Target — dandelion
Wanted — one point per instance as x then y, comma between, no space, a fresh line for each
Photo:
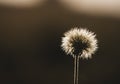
80,43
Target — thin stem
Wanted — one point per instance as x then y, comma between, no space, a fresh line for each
75,59
76,69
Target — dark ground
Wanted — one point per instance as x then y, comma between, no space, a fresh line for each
30,50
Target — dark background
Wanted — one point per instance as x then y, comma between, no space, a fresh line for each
30,51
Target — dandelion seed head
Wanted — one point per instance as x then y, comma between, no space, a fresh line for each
79,42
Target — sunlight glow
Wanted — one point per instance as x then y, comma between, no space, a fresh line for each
20,3
95,7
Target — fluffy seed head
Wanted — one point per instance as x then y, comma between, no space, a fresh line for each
79,42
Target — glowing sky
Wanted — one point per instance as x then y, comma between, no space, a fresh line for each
97,7
20,3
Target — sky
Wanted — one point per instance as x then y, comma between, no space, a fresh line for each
21,3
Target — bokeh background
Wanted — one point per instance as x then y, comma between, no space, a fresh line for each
30,39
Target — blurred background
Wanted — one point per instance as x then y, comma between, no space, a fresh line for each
30,39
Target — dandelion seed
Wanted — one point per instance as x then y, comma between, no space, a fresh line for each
80,43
